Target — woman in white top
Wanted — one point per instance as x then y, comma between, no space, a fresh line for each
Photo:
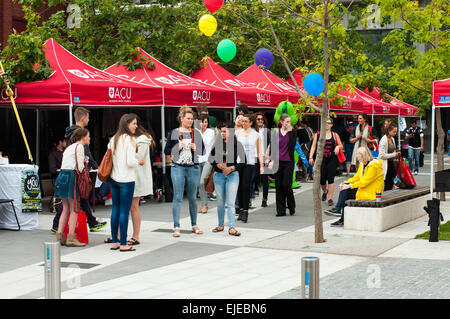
205,167
66,187
250,140
123,178
388,153
144,179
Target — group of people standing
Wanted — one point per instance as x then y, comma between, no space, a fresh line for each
238,156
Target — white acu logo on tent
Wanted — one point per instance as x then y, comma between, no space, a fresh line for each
201,96
119,94
111,93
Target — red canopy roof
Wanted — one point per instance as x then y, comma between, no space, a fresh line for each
405,108
212,73
379,107
179,89
264,79
352,104
75,81
441,93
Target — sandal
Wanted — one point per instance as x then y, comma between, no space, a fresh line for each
133,242
234,233
115,248
176,232
203,210
129,249
218,229
108,240
197,231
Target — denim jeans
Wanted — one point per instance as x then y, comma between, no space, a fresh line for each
189,176
413,154
226,187
205,169
345,194
122,196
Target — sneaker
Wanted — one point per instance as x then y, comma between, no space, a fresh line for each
54,230
333,212
213,197
416,172
264,203
97,226
339,223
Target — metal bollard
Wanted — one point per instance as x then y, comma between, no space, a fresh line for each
52,270
310,278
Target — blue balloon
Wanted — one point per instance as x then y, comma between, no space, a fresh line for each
264,57
314,84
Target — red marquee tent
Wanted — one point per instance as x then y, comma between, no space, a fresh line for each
212,73
179,89
405,108
74,82
441,93
264,79
378,107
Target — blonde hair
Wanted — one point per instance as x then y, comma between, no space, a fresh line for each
183,111
366,155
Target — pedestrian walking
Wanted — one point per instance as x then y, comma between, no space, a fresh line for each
66,186
348,145
81,116
286,139
185,145
257,178
225,160
144,178
250,140
208,136
363,135
123,178
306,141
330,161
388,154
414,136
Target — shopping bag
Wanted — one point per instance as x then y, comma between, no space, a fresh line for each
81,229
406,174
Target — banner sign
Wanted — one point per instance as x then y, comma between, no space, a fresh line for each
31,192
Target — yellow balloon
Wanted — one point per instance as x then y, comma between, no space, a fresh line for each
207,25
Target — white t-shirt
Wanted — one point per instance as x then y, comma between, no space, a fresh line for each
68,161
208,138
249,144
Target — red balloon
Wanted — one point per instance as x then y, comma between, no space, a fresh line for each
213,5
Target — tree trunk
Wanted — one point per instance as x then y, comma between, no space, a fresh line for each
440,146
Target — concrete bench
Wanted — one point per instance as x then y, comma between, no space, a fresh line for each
396,207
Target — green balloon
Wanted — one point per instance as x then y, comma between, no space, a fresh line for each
288,108
226,50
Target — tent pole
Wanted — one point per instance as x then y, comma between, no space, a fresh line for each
163,130
398,131
70,113
433,110
38,120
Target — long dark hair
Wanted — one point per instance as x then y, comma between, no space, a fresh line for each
125,120
391,127
256,121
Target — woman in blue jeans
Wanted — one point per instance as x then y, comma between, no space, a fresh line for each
224,159
123,177
185,145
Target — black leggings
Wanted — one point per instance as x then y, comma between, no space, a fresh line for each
328,170
245,177
390,176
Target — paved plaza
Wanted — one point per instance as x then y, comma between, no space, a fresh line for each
264,262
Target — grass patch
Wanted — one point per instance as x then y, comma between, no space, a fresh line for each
444,233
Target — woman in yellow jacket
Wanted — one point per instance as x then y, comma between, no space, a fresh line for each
367,181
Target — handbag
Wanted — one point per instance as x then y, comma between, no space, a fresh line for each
372,145
400,181
209,182
83,181
340,155
105,168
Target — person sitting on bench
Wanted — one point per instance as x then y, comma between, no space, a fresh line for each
367,181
